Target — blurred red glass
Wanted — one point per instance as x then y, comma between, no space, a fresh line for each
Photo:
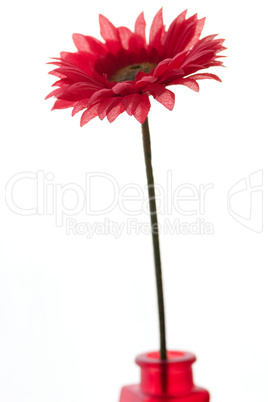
168,380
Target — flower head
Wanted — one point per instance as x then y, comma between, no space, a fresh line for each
108,78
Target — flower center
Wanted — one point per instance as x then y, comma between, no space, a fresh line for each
129,73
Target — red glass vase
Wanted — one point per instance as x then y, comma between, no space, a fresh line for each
168,380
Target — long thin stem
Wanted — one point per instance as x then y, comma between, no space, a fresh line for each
155,236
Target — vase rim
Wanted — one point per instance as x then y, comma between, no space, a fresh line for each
174,357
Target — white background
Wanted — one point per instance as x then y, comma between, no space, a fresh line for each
74,312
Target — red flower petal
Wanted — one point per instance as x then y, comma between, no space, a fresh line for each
80,105
56,92
101,94
114,111
89,44
161,68
62,104
188,82
106,105
174,33
131,103
154,89
167,98
81,43
74,74
206,76
124,88
140,27
177,61
78,91
107,29
156,29
89,114
143,79
187,33
125,35
56,73
62,82
142,109
195,34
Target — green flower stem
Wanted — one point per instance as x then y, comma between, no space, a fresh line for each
155,236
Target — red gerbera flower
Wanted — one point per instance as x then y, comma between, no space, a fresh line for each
118,75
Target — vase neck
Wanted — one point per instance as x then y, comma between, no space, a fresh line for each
166,377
